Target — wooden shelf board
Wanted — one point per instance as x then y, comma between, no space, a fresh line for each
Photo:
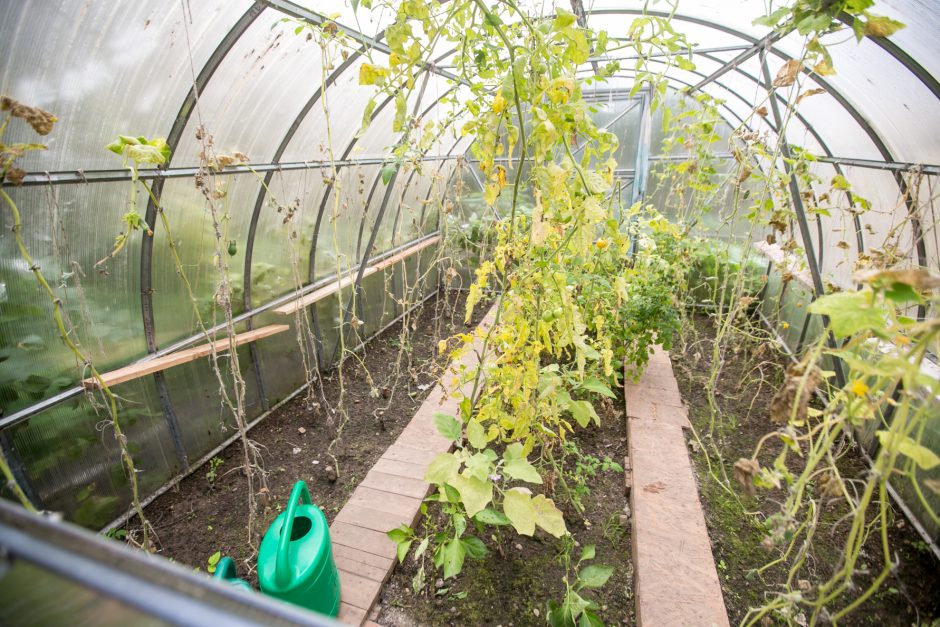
346,281
140,369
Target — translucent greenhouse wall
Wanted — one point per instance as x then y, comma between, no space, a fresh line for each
108,69
136,77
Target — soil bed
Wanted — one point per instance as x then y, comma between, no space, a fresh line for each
749,379
201,516
514,588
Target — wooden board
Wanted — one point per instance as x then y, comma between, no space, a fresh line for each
335,286
140,369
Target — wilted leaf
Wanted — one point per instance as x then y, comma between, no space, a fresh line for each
744,471
809,92
788,73
881,26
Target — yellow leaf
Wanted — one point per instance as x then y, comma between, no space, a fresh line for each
499,104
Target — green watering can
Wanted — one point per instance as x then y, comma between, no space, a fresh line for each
295,563
225,571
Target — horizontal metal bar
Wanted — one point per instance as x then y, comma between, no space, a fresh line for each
151,585
113,176
723,155
875,164
25,414
680,52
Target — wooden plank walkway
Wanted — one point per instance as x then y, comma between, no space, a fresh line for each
676,580
390,495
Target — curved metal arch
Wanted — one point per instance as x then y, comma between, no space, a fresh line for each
378,221
880,144
146,248
423,205
806,125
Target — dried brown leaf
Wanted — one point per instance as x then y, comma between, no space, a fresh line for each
42,121
788,73
809,92
744,472
790,394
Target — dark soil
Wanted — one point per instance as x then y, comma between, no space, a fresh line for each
203,515
514,582
748,381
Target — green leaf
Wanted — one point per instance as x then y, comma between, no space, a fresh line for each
366,117
522,470
480,465
583,412
454,554
921,455
213,561
421,549
517,505
594,384
402,550
447,426
442,469
476,434
588,553
595,575
589,619
563,19
902,293
388,172
474,494
474,547
490,516
514,451
850,312
549,517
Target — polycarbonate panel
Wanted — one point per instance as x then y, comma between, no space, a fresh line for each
191,224
246,107
66,229
280,356
194,390
74,464
284,233
345,104
341,240
104,70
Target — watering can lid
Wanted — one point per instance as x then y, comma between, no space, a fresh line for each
307,553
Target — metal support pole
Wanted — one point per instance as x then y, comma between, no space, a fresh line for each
798,208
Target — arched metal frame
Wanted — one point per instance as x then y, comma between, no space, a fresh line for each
873,135
289,8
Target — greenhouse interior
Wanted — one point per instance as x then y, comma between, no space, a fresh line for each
470,312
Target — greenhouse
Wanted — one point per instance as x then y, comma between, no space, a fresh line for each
470,312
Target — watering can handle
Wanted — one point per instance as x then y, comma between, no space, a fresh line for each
282,571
